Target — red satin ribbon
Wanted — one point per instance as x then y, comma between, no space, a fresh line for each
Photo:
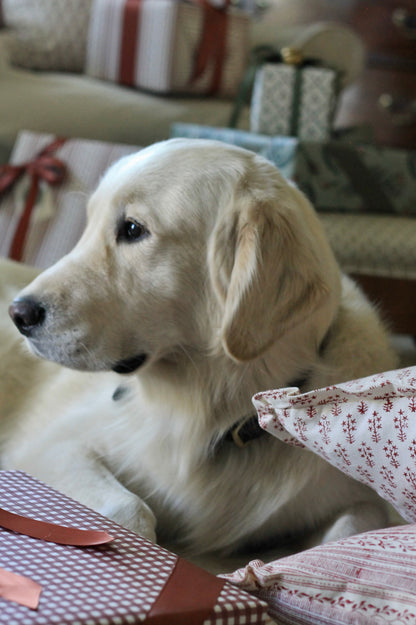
129,41
45,167
188,597
24,590
52,532
211,48
20,589
212,45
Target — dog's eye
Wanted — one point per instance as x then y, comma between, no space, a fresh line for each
130,231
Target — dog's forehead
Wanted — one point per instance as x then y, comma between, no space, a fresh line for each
177,161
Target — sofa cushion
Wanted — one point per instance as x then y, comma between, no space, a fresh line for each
48,34
368,579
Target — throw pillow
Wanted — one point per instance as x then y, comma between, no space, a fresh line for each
365,427
368,579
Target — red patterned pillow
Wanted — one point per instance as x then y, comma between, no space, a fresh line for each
366,428
368,579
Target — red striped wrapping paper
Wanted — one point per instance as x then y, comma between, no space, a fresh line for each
154,45
58,217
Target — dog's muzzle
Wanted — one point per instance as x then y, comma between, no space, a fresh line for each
27,314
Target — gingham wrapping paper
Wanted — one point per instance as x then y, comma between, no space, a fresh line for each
367,579
167,38
365,427
54,232
273,101
111,585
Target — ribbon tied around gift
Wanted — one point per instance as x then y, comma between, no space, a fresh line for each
43,167
210,50
22,589
173,606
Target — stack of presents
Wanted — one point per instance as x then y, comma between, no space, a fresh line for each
197,48
98,573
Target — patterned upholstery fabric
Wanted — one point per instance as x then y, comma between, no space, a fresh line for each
377,245
48,34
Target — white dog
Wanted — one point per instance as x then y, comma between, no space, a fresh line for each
206,276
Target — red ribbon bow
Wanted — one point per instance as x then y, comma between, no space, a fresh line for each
45,167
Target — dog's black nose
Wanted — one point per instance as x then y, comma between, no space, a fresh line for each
27,314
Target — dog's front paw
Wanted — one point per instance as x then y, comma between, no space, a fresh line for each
134,514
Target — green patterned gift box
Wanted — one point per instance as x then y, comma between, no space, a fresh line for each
335,175
294,100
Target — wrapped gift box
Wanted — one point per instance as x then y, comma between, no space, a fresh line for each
336,176
168,46
127,580
294,101
57,218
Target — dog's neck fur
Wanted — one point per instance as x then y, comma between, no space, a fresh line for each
231,386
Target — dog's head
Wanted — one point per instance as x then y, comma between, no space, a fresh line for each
189,245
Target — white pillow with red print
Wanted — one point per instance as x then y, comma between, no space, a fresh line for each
366,428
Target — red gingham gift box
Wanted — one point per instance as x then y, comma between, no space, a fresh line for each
128,580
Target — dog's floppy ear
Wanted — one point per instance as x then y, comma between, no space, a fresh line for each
267,269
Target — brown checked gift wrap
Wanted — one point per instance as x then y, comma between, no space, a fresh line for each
121,579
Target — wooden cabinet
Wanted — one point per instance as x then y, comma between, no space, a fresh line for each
385,95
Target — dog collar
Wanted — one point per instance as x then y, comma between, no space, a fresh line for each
248,428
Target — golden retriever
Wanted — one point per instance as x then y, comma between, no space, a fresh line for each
204,277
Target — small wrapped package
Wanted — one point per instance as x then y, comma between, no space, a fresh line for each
63,563
294,100
43,194
168,46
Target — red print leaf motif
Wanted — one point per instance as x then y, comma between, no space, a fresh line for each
401,423
362,407
388,405
349,425
341,452
325,429
410,477
336,409
412,449
300,429
392,454
412,404
365,475
388,476
366,454
374,426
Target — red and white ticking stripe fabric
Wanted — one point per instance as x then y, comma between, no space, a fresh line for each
366,428
368,579
158,45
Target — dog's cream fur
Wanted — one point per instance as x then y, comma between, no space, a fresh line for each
235,290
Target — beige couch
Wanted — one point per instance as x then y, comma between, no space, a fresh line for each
76,105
